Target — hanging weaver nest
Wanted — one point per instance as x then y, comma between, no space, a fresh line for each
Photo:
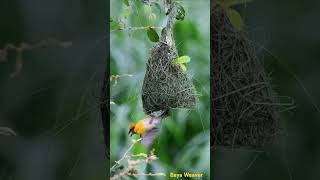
165,85
245,112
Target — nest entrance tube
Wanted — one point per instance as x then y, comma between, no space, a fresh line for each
244,114
165,85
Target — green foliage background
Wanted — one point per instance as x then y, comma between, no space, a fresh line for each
183,144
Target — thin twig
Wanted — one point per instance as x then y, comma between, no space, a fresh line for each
125,154
135,28
151,174
22,47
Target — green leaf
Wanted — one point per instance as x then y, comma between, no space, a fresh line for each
116,25
126,2
219,2
183,67
126,12
182,59
181,13
237,2
152,35
235,19
229,3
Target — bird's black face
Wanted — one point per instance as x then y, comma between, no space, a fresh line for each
131,131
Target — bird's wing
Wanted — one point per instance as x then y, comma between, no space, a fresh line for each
149,136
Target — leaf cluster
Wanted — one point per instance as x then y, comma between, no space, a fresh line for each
233,15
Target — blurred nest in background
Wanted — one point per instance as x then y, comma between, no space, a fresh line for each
165,85
245,108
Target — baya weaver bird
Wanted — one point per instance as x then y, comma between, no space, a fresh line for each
147,128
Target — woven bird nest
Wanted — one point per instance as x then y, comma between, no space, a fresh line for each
165,85
244,113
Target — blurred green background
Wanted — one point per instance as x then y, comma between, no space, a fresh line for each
52,103
183,144
290,31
